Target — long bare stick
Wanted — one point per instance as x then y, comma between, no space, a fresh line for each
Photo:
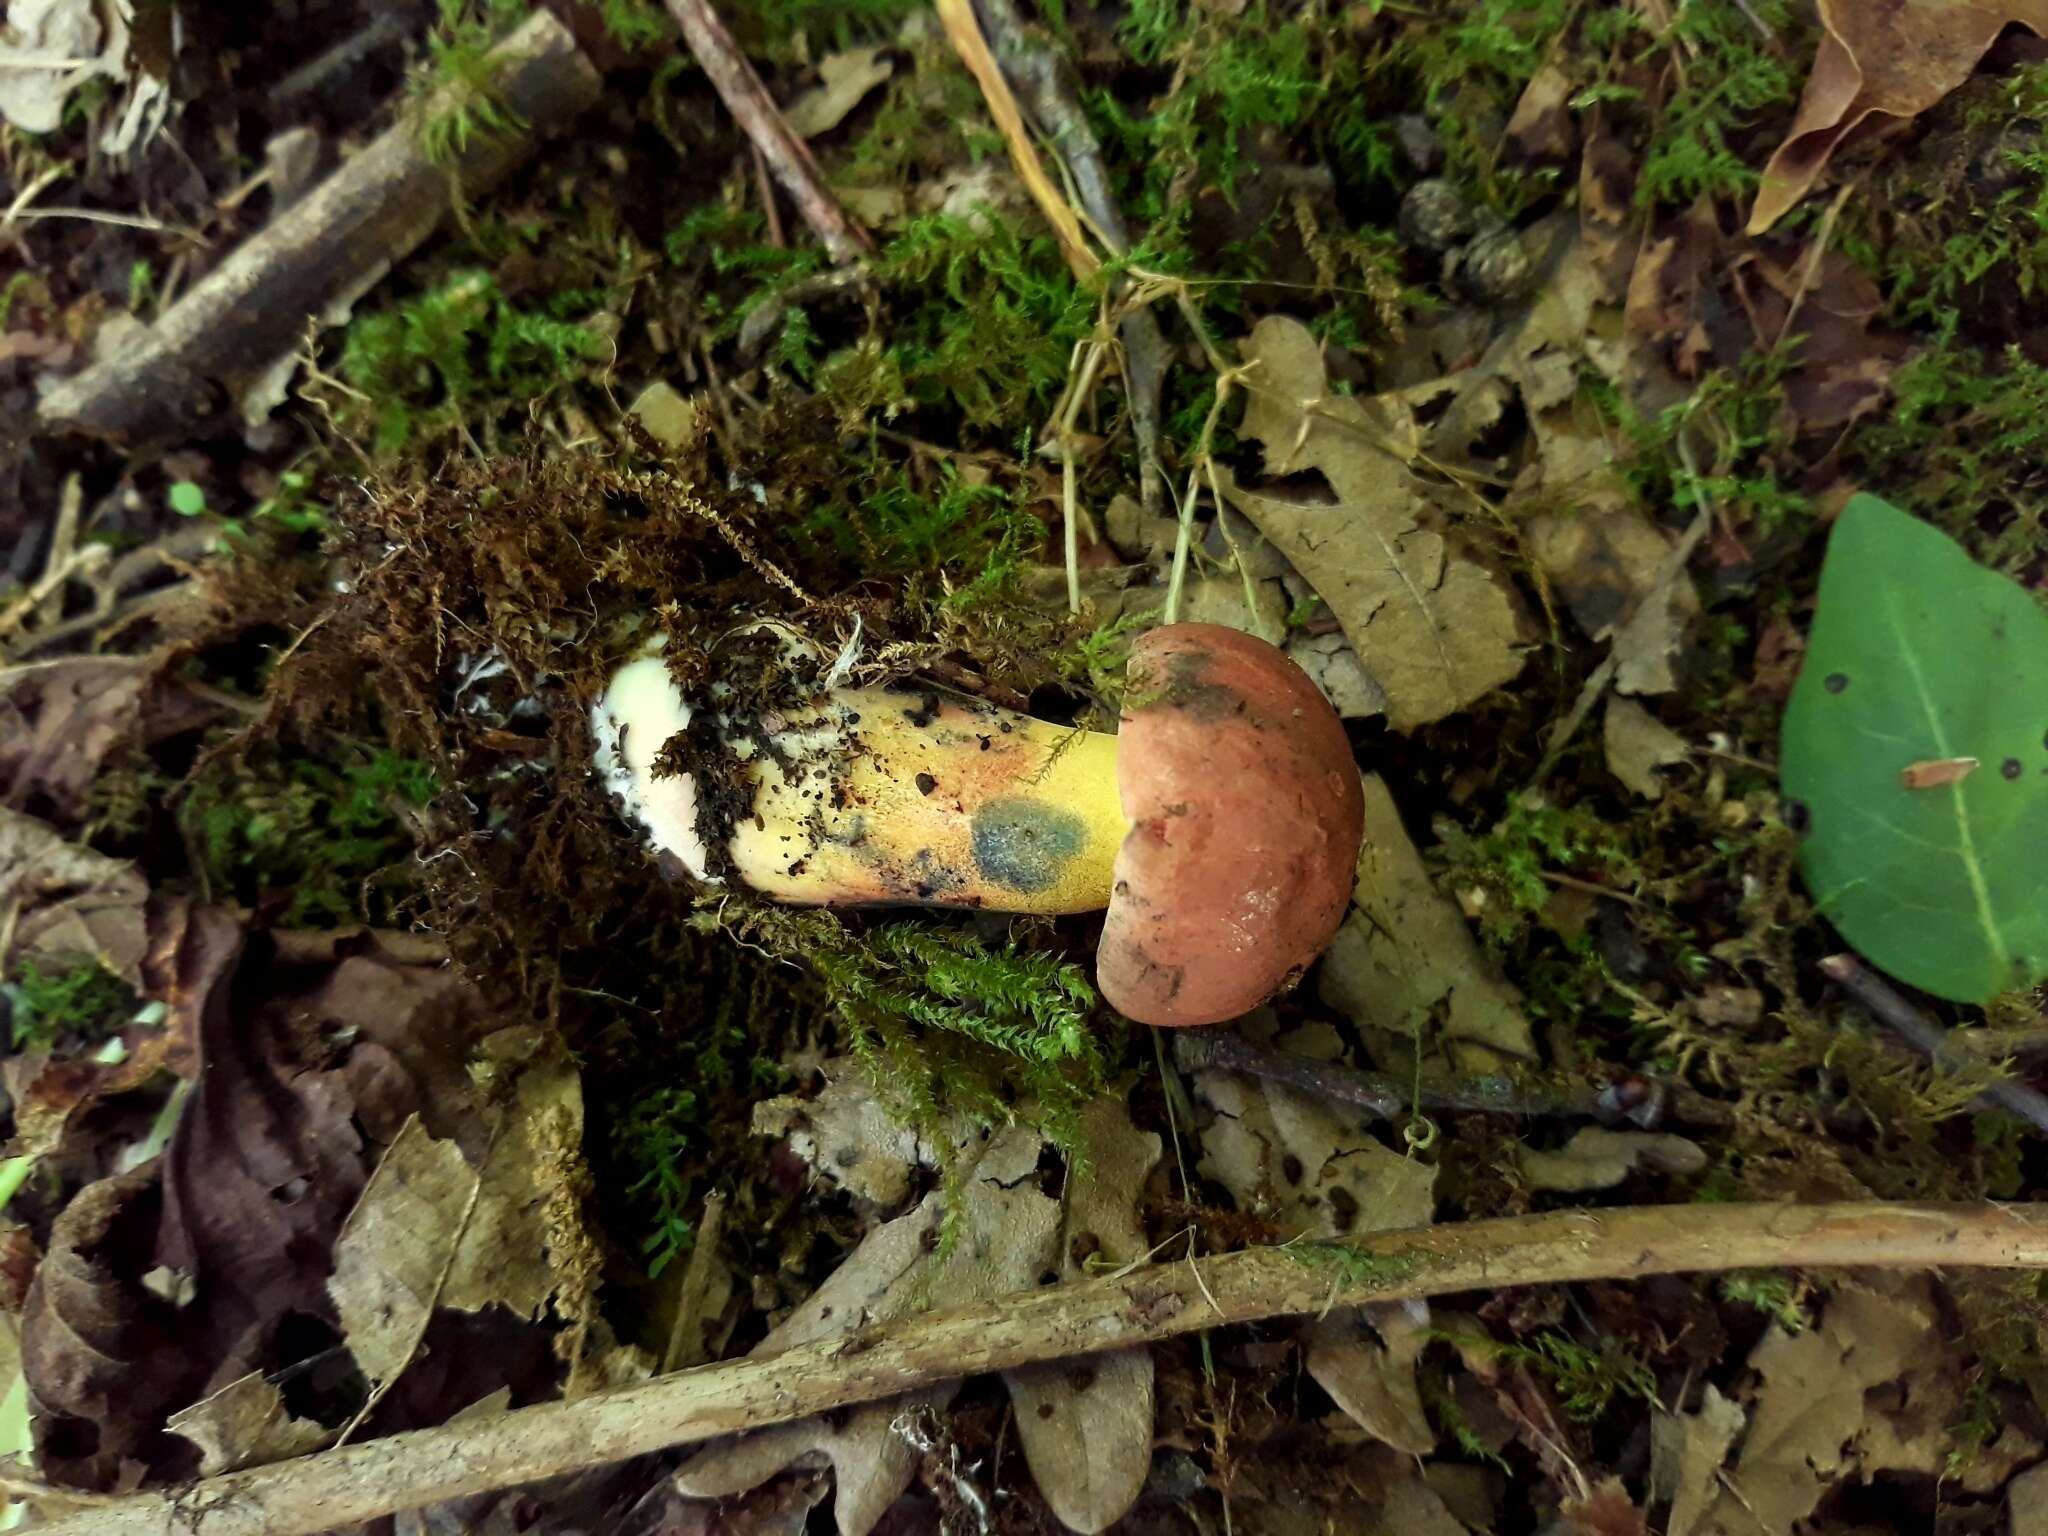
327,248
747,99
364,1482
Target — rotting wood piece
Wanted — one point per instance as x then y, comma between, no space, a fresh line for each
379,1477
189,370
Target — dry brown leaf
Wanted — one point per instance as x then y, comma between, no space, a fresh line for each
1404,953
1008,1238
1596,1158
1432,626
246,1424
102,1353
1364,1357
1541,125
1638,744
1605,567
392,1259
2026,1502
1086,1424
844,79
517,1252
61,902
1810,1407
1878,60
1606,1511
1687,1451
61,720
845,1137
1306,1164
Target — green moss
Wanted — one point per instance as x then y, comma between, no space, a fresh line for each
1734,78
941,526
1508,863
305,835
421,366
81,1002
1779,1296
945,1025
1966,432
470,104
989,322
784,29
667,1132
1589,1379
636,24
1354,1267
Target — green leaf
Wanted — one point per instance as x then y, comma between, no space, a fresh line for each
187,499
1922,659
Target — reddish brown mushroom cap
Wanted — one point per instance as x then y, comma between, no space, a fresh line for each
1246,817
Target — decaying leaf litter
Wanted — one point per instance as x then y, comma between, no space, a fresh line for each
367,1077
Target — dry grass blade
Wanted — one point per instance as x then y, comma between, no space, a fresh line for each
965,33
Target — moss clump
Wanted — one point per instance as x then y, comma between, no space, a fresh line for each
947,1025
987,329
459,90
420,367
318,841
76,1003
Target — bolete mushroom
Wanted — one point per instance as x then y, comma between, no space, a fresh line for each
1220,826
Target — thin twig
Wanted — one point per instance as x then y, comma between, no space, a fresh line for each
747,99
1635,1100
1810,268
1927,1037
363,1482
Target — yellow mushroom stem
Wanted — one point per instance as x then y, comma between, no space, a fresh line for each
874,795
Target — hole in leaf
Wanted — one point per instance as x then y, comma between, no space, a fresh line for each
1835,682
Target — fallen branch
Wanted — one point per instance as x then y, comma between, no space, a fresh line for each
747,99
326,250
364,1482
1924,1035
1635,1100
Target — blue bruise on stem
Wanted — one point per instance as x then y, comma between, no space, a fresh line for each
1024,845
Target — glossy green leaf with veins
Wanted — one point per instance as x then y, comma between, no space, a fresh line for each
1915,758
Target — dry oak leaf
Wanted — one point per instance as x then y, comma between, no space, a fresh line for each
1404,953
61,720
1007,1238
101,1352
1638,744
246,1424
1686,1453
1879,59
1086,1423
1433,627
1596,1158
1364,1357
1812,1405
1308,1166
59,901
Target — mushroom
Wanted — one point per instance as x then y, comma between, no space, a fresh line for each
1220,826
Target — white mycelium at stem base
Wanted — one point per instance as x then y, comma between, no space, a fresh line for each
871,795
